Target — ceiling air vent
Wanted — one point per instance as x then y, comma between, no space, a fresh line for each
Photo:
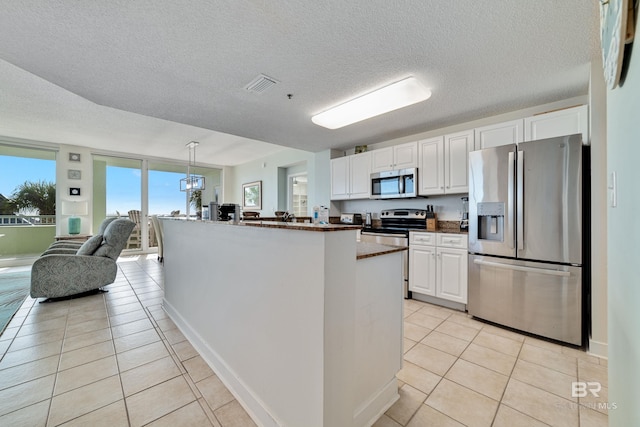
260,84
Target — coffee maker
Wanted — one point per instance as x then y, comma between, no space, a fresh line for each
464,222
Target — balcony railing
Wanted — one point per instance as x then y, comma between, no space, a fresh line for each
27,220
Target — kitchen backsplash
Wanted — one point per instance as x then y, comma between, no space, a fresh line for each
448,207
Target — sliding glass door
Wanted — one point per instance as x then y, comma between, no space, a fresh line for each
138,189
165,197
117,192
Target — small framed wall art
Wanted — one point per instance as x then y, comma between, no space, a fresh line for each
74,174
74,157
74,191
252,195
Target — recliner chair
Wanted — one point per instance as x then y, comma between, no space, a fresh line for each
62,272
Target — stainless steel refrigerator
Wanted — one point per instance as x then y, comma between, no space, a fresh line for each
528,237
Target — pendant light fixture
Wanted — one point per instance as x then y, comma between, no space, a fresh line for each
192,182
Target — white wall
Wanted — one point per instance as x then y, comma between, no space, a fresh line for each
623,152
63,184
598,131
266,170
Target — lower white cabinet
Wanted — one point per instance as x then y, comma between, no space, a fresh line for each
422,274
438,265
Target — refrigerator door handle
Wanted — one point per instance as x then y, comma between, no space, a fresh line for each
510,237
522,268
520,202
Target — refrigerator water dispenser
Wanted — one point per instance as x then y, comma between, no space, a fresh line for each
491,221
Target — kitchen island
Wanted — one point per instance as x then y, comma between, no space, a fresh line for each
302,323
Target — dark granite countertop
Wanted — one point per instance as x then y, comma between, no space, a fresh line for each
368,250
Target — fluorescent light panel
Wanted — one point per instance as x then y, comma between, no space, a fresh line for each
392,97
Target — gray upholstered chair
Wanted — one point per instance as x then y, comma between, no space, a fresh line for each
74,243
61,272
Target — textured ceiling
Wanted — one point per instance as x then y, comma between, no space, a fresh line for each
71,66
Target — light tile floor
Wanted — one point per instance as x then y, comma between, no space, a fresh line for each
116,359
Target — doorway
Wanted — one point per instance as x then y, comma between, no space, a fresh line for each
298,194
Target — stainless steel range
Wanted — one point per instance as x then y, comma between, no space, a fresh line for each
394,231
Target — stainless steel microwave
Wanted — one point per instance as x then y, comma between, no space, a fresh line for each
395,184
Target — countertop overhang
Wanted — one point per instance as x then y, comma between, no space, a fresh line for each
369,250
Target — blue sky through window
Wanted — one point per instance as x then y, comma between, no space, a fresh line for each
17,170
123,184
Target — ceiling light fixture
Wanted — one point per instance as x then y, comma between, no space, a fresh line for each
397,95
192,182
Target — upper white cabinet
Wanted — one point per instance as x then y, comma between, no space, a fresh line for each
360,175
431,167
340,179
558,123
350,177
396,157
444,164
456,162
505,133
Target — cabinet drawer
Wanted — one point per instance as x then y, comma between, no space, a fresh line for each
420,238
452,240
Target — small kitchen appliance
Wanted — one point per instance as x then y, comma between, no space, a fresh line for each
367,221
464,221
351,218
230,212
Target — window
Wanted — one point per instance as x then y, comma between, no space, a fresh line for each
28,221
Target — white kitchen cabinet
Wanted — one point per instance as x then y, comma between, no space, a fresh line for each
451,281
456,162
400,156
422,276
499,134
431,167
340,179
558,123
438,265
360,176
350,176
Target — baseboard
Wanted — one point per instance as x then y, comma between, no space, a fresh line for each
366,415
249,401
599,349
439,301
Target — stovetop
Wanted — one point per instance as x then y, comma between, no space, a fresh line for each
400,221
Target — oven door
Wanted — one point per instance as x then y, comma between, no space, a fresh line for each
391,239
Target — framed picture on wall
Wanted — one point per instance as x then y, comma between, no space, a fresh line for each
74,174
252,195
